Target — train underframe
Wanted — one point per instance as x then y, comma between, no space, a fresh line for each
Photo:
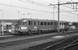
32,32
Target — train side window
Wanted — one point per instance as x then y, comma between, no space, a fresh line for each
44,23
55,23
60,23
48,23
34,23
38,23
41,23
63,23
30,22
51,23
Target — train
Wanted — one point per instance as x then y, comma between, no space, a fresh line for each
38,26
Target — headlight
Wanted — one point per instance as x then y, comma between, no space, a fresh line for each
10,30
23,27
35,27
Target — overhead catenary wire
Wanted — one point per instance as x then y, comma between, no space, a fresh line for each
40,3
58,4
33,2
66,11
23,8
73,6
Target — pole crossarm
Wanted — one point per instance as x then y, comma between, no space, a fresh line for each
65,3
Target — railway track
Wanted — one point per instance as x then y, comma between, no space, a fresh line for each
18,36
56,45
53,39
63,44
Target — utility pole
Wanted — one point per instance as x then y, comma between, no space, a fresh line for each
59,4
58,29
58,16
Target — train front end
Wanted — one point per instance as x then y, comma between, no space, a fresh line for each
23,27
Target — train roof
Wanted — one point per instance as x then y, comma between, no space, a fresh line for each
16,20
36,19
43,20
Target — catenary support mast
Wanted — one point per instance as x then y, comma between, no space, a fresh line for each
59,4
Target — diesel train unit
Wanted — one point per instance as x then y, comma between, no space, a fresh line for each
30,26
38,26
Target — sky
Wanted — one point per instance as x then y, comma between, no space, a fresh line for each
38,9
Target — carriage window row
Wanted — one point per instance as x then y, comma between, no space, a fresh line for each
46,23
41,23
63,23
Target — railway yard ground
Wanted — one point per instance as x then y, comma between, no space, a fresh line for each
39,25
36,42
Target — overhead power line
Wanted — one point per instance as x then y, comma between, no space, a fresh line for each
33,2
27,8
24,8
59,4
72,6
66,3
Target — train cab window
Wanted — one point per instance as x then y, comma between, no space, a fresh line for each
24,23
49,23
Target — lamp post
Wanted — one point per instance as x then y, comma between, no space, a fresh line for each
2,29
2,23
